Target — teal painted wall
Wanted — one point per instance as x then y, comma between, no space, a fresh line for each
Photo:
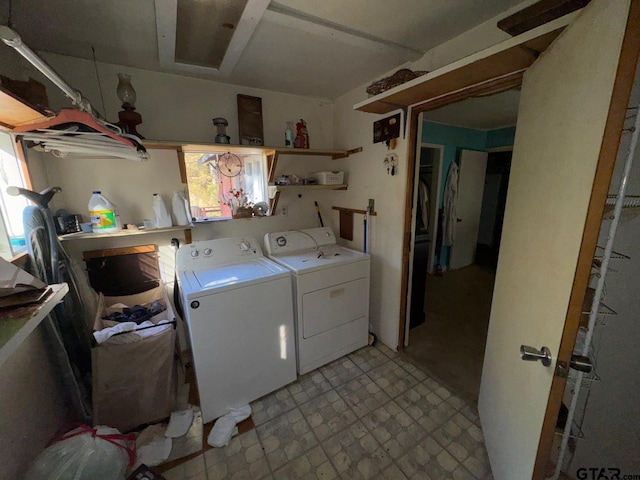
456,139
501,137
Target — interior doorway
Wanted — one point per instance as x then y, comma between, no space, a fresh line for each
452,284
426,233
494,201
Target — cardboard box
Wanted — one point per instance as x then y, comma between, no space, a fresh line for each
134,383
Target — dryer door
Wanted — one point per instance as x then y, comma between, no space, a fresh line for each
333,306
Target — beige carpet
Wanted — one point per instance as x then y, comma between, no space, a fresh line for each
450,344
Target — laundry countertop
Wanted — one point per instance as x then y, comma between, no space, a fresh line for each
14,330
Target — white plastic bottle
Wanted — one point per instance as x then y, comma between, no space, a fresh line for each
161,216
288,135
180,208
102,213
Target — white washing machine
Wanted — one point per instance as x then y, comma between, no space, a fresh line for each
331,293
239,310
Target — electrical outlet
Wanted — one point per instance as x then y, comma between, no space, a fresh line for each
284,211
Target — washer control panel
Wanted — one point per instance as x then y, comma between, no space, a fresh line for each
220,251
280,243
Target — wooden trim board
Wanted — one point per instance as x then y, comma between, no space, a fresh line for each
513,55
15,112
414,143
112,252
538,14
353,210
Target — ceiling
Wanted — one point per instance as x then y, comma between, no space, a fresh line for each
307,47
480,113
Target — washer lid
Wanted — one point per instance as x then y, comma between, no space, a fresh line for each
305,261
232,275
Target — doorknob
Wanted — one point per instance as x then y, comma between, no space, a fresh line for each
458,220
531,354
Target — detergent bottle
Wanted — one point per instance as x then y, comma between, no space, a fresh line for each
102,213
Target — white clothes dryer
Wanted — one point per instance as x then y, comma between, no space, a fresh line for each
239,312
331,293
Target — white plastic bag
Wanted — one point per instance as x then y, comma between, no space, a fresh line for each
85,453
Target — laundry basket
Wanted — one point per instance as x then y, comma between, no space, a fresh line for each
328,178
134,379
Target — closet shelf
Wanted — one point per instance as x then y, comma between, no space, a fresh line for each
630,201
613,258
614,255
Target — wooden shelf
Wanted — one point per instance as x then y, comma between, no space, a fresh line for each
334,154
506,60
15,112
284,188
247,149
121,233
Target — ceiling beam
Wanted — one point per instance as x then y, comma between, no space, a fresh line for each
289,17
166,15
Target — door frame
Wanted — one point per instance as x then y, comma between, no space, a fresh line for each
625,74
414,220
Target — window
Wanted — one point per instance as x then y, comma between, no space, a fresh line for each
12,173
220,181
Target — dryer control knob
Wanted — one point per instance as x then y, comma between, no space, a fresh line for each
245,246
207,251
195,253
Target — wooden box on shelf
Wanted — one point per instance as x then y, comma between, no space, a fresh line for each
242,212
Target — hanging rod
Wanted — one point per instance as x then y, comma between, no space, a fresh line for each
12,39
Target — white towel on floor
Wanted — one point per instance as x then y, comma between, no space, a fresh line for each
152,447
225,426
179,423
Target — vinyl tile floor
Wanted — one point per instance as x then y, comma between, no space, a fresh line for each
369,415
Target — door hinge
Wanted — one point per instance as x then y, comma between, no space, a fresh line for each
562,369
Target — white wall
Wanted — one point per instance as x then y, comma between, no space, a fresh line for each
175,107
368,178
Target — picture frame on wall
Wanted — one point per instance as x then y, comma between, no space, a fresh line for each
250,124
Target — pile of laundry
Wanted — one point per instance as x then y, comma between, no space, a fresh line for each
131,324
137,313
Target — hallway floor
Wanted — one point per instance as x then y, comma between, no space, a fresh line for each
450,343
371,414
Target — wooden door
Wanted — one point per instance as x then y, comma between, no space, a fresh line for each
561,161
